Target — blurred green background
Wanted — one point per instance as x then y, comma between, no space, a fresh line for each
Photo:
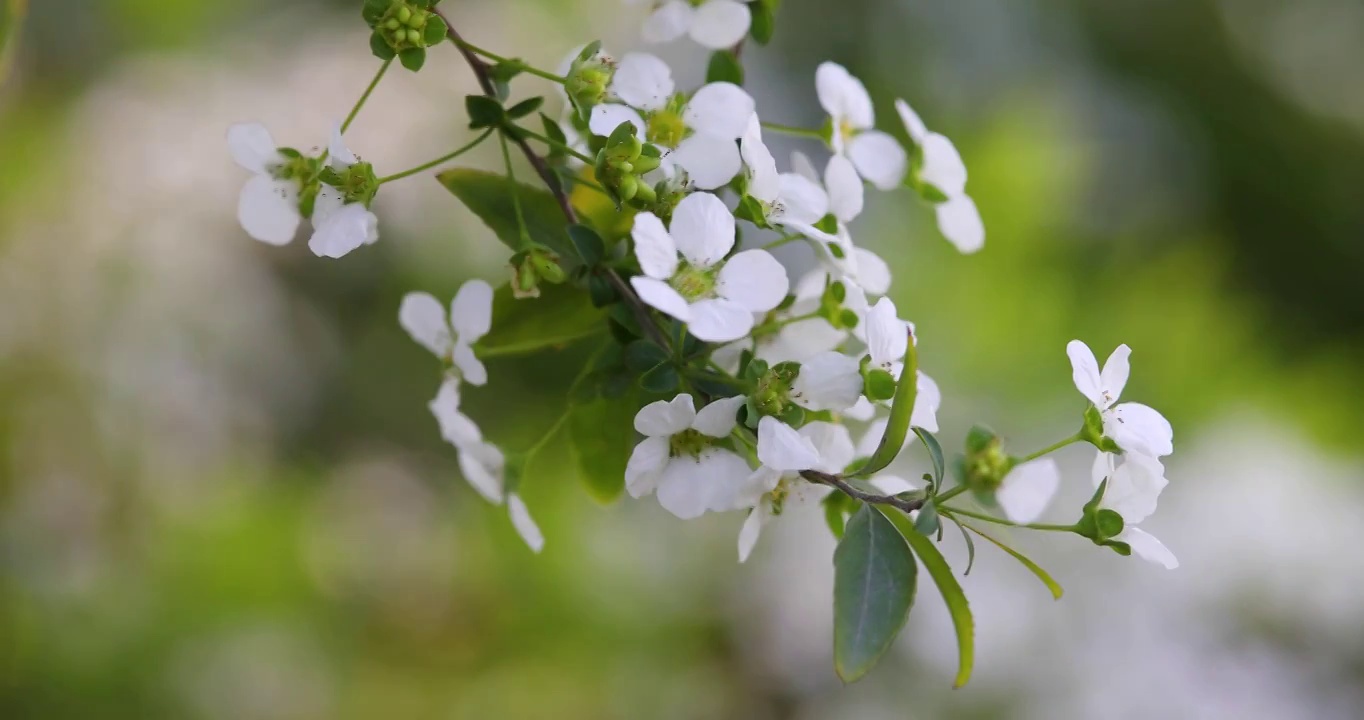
221,495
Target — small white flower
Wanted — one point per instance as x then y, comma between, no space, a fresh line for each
789,199
776,487
268,206
844,192
524,523
715,24
678,457
1027,489
715,297
340,227
700,131
456,428
471,314
887,338
876,155
1134,427
958,219
828,381
1132,491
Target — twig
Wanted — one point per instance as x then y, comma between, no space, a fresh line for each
835,481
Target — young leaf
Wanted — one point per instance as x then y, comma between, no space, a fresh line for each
724,67
525,107
662,379
970,545
587,243
952,594
483,111
603,434
874,579
1041,574
927,522
489,196
901,410
561,315
934,453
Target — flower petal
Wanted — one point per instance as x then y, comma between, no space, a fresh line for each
668,23
1113,378
470,367
642,81
252,147
843,96
645,465
422,316
782,448
828,381
1103,467
753,527
959,221
718,418
608,116
343,231
926,404
802,200
727,474
703,229
1027,489
764,182
913,125
720,24
846,194
268,209
482,465
873,274
660,295
720,109
942,166
1134,488
710,161
754,280
801,165
832,442
471,312
879,158
339,157
654,247
1145,546
1139,428
455,427
665,418
719,320
887,334
1085,372
524,524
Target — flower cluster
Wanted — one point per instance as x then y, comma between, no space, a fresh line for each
749,392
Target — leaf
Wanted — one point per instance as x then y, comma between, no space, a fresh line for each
643,356
489,196
952,594
603,435
764,20
587,243
927,522
724,66
559,316
435,31
934,453
970,545
380,47
483,111
1036,569
525,107
901,410
662,379
874,579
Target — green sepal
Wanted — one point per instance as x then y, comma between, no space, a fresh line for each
878,385
412,58
751,209
979,439
373,11
525,107
724,66
828,224
435,31
764,20
380,47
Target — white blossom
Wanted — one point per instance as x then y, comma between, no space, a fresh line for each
1133,426
452,338
715,24
776,487
679,460
524,523
268,205
887,338
1132,491
878,158
941,167
714,296
340,227
789,199
828,381
843,191
1027,488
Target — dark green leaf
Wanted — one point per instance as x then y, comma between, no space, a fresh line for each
928,522
724,67
413,58
1041,574
901,410
874,578
489,196
561,315
435,30
934,454
952,594
483,111
662,380
600,290
603,434
525,107
380,47
552,129
643,356
587,243
764,20
970,546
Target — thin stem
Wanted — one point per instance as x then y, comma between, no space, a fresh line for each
1000,521
361,102
464,45
554,144
835,481
941,498
1077,437
781,241
516,196
438,161
793,130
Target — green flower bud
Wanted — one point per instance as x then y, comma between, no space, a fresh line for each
546,264
525,281
392,24
414,37
986,463
645,163
645,195
628,187
404,14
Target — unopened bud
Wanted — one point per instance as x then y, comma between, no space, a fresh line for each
404,14
628,188
546,265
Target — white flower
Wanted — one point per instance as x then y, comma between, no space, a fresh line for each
776,487
876,155
700,131
1133,426
471,316
524,523
1133,489
338,226
843,191
455,427
789,199
887,338
828,381
678,457
1027,489
715,24
268,205
942,168
715,297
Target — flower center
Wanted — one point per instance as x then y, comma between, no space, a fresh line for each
846,130
689,443
694,283
666,128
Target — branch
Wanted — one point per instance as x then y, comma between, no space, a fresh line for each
823,478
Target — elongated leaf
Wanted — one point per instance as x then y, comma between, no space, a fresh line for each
970,545
603,435
901,410
874,579
952,594
489,196
934,453
559,316
724,66
1036,569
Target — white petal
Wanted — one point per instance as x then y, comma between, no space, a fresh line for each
871,437
1147,547
782,448
764,182
1139,428
470,367
471,312
654,247
913,125
887,334
959,221
339,157
828,381
482,465
942,166
645,465
455,427
1134,488
846,194
727,475
799,341
710,161
703,229
873,274
893,484
1085,372
1027,489
268,209
802,200
832,442
642,81
720,24
719,320
343,231
524,524
718,418
668,23
665,418
879,158
1103,467
252,147
861,411
608,116
422,316
720,109
748,534
843,96
753,279
801,165
660,295
926,404
683,488
760,482
1113,378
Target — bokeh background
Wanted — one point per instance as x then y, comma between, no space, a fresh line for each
221,495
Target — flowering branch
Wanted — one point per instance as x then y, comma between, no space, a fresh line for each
836,481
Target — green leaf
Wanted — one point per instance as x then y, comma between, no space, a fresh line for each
874,579
373,11
561,315
435,30
1041,574
483,111
643,356
764,20
934,454
603,435
952,594
970,545
724,66
662,379
750,209
525,107
489,196
928,522
901,410
587,243
413,58
837,507
380,47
